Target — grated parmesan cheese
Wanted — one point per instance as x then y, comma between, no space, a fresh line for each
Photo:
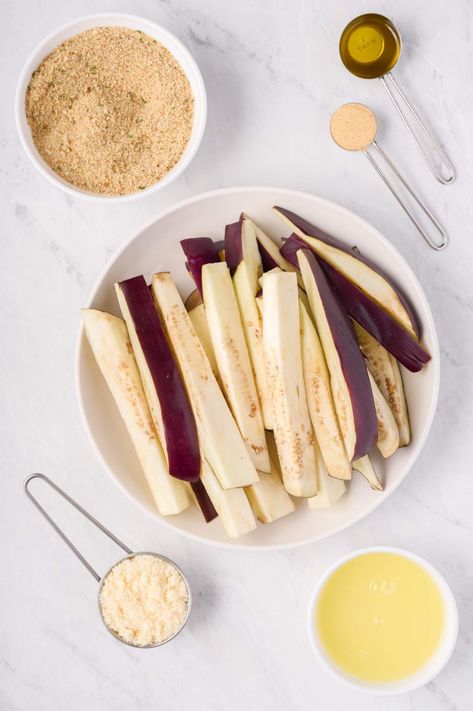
144,600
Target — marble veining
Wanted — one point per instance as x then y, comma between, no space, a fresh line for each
273,77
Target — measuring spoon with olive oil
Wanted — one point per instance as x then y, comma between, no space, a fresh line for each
370,47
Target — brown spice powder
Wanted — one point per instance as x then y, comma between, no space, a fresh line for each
111,110
353,127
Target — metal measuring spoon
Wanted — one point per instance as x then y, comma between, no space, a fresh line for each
85,562
370,46
353,127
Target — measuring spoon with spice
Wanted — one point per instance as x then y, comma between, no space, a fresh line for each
144,598
370,46
353,128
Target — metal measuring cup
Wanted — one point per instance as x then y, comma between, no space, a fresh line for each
101,580
358,122
387,56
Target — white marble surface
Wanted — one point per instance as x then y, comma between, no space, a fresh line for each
273,77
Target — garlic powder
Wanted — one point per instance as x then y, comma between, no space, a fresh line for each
353,127
144,600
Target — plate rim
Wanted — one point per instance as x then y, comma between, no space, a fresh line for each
435,362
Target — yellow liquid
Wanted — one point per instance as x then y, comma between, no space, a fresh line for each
370,46
380,617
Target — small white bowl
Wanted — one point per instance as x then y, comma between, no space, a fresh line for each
435,664
177,49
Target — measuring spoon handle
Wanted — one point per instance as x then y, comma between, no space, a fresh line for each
400,101
415,196
79,508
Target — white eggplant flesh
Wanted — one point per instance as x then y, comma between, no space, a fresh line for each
271,247
259,303
388,433
369,280
320,401
144,371
219,437
385,370
233,360
364,466
330,489
199,320
232,505
246,288
292,427
268,497
108,338
349,382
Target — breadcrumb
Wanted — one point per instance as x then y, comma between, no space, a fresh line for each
110,110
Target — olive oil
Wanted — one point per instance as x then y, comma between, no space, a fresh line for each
380,617
370,46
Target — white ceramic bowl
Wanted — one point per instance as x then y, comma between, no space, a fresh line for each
177,49
435,664
156,248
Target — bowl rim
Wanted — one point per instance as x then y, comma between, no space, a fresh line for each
191,70
435,363
431,668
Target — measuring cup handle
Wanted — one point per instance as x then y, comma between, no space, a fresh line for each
400,101
414,195
79,508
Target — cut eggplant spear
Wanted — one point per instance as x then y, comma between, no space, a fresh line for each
320,401
232,505
193,300
354,267
330,489
162,382
203,500
388,433
364,466
295,439
108,338
244,262
220,440
196,310
385,370
386,330
366,312
270,252
199,251
349,382
268,497
199,320
233,360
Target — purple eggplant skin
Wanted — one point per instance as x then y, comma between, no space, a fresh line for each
234,245
365,311
180,430
351,361
199,251
203,499
312,231
266,259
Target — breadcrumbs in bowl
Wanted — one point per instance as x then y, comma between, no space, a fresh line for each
110,110
144,600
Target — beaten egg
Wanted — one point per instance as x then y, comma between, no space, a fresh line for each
380,617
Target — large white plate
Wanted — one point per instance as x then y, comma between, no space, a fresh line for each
156,248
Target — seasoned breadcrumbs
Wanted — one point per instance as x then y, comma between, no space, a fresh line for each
110,110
